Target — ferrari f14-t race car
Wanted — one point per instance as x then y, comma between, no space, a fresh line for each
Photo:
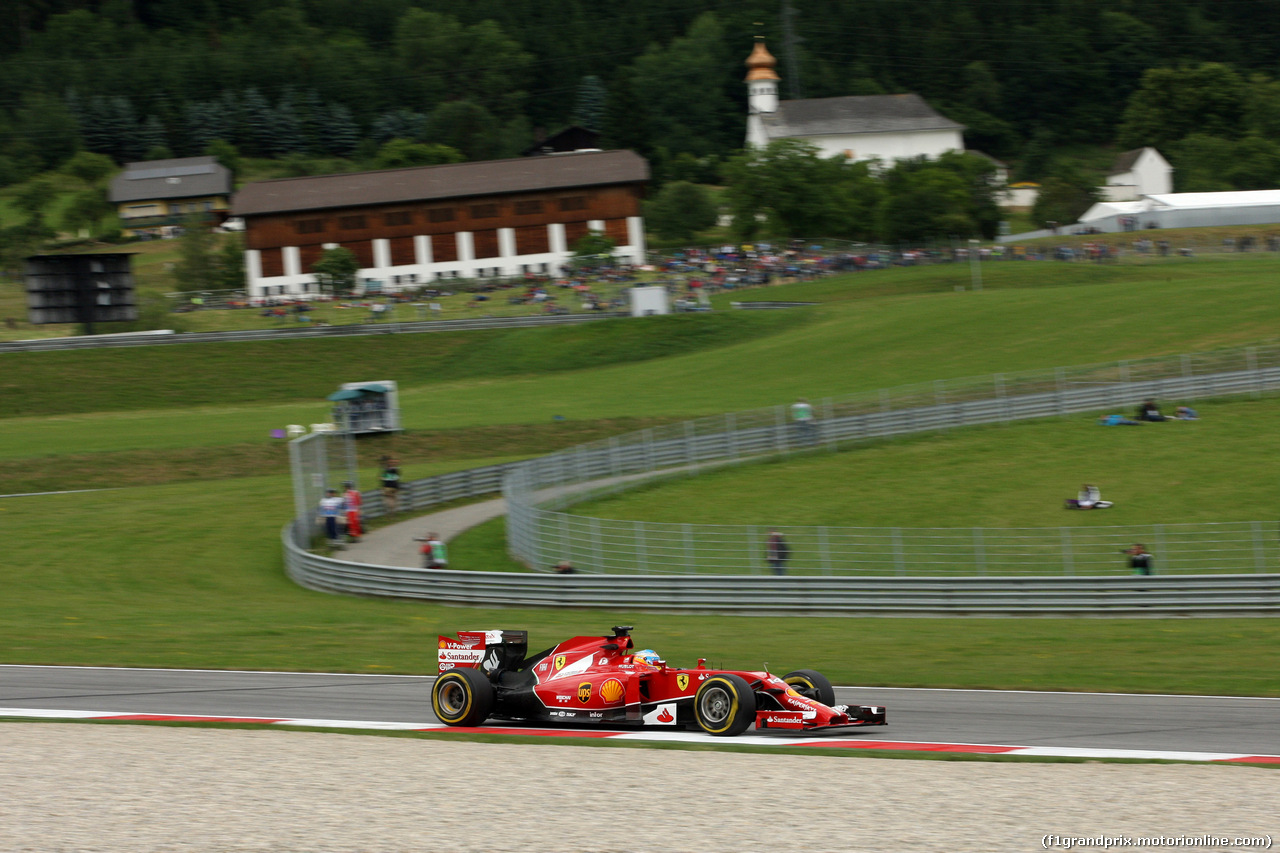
603,680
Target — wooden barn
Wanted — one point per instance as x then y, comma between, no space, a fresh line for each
410,227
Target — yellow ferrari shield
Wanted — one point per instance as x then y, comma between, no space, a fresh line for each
682,681
559,662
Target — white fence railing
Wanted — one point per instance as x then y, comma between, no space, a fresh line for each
541,532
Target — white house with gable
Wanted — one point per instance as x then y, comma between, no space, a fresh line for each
1137,173
858,127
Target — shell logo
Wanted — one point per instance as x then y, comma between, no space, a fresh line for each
612,691
443,644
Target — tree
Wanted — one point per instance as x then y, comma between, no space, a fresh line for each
338,131
590,248
89,168
401,153
466,127
399,124
153,139
1174,102
685,89
1064,196
788,190
226,154
680,210
231,273
336,270
1211,164
589,109
450,61
197,266
86,209
35,196
626,118
926,203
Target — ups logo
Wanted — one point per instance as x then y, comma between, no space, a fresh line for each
584,692
682,681
559,662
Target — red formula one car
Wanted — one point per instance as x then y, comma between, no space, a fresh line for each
602,680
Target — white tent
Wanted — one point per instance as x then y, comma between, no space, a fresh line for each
1187,210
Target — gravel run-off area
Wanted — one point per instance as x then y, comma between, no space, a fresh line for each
147,789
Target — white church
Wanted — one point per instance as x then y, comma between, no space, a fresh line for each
858,127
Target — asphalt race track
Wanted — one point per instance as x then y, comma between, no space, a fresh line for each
1055,722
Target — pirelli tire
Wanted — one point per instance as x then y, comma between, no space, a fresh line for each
462,697
812,685
724,705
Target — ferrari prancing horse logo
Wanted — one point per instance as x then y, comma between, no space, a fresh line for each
559,662
682,681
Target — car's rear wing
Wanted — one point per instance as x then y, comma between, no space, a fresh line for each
468,650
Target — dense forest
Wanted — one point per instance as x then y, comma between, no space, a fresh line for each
133,79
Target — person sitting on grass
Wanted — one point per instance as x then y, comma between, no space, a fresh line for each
1090,497
1149,411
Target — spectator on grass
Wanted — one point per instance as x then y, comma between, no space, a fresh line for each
1149,411
1186,413
1139,559
434,553
802,416
564,567
390,480
777,552
1090,497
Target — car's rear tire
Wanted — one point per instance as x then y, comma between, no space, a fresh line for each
811,685
724,705
462,697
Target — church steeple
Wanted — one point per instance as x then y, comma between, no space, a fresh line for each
762,79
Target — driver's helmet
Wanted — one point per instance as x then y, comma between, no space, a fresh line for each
646,656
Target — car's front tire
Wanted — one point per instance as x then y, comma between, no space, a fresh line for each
724,705
462,697
811,684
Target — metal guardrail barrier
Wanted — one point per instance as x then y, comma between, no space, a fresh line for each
541,532
142,339
1181,588
1195,595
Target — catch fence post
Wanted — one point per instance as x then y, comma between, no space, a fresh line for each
899,559
1068,557
1259,548
691,446
1162,552
642,554
979,552
690,553
824,550
597,549
1125,387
